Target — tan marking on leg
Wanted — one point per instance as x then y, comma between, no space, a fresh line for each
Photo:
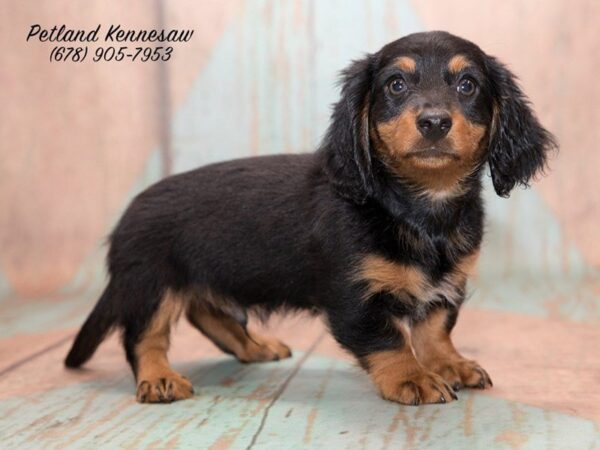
231,336
406,63
382,275
276,347
458,63
157,382
400,377
435,350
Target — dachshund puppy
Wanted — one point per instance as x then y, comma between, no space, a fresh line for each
377,230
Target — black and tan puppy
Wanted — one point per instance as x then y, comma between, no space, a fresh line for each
377,230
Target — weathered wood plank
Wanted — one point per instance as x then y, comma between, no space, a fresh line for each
523,369
330,404
231,398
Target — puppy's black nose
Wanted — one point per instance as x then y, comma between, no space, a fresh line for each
434,125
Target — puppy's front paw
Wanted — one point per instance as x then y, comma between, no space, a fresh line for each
419,388
166,389
463,373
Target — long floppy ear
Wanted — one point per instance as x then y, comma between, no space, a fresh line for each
519,145
346,143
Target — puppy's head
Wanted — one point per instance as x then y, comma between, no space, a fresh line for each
430,109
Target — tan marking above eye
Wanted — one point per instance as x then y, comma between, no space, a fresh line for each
458,63
406,63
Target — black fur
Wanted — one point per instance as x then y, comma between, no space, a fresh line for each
94,330
287,232
519,144
349,158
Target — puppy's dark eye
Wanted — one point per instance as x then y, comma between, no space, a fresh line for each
466,86
397,86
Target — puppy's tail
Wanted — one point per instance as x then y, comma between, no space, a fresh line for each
97,326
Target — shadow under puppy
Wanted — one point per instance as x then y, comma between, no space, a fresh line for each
377,230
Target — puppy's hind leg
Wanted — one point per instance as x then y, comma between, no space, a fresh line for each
233,337
147,350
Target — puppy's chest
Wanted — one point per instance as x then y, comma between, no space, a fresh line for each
414,283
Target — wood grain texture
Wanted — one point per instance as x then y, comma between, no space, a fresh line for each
316,399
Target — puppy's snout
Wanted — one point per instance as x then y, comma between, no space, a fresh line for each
434,124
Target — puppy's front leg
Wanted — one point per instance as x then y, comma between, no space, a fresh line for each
383,348
435,350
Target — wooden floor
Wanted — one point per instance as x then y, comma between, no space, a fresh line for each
546,394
